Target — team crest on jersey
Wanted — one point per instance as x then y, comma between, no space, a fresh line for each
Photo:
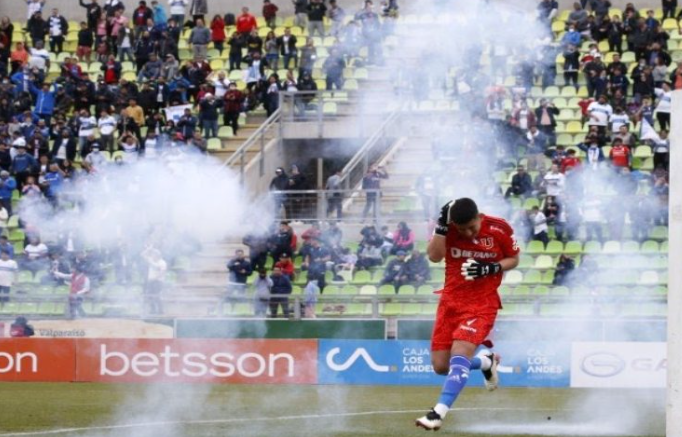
487,242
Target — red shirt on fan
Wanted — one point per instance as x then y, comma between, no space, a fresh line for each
246,23
620,155
494,242
569,162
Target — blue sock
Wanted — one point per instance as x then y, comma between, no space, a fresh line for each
475,363
454,383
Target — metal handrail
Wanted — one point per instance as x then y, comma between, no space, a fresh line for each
361,157
257,137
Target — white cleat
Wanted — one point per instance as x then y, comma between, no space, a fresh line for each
431,422
491,379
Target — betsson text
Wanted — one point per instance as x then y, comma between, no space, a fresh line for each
193,364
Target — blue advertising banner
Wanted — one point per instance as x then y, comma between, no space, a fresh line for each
408,362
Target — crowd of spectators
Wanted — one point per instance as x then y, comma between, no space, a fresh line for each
616,172
323,257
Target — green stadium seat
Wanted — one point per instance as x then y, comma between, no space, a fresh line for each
425,289
642,152
592,247
348,289
554,247
532,277
561,291
429,309
574,127
214,144
565,140
551,92
358,309
361,277
390,309
386,289
630,247
407,289
670,25
566,115
46,308
525,261
9,308
412,309
535,247
568,92
27,308
659,233
331,289
530,203
544,262
225,132
541,290
521,290
649,277
664,246
560,103
504,290
16,235
512,277
547,277
650,246
612,247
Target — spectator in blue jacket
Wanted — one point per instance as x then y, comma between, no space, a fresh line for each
23,164
45,101
571,37
52,182
6,246
7,187
160,17
281,286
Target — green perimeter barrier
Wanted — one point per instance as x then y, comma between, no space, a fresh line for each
553,330
352,329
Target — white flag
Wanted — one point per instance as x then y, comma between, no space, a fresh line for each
175,112
648,132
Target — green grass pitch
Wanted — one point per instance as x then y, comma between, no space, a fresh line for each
193,410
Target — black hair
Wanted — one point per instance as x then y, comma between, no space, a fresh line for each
463,211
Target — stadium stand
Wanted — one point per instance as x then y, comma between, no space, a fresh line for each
533,104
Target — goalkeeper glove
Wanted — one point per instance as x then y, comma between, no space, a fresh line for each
473,269
443,220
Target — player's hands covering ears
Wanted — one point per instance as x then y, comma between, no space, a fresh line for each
443,219
473,269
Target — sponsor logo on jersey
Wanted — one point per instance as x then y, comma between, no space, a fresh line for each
456,252
487,242
466,326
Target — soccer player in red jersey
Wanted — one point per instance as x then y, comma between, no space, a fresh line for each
477,249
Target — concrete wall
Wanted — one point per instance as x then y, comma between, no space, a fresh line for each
16,9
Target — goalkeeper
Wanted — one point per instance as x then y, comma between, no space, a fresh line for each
477,249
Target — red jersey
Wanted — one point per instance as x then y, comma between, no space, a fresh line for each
494,242
246,23
620,156
569,162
